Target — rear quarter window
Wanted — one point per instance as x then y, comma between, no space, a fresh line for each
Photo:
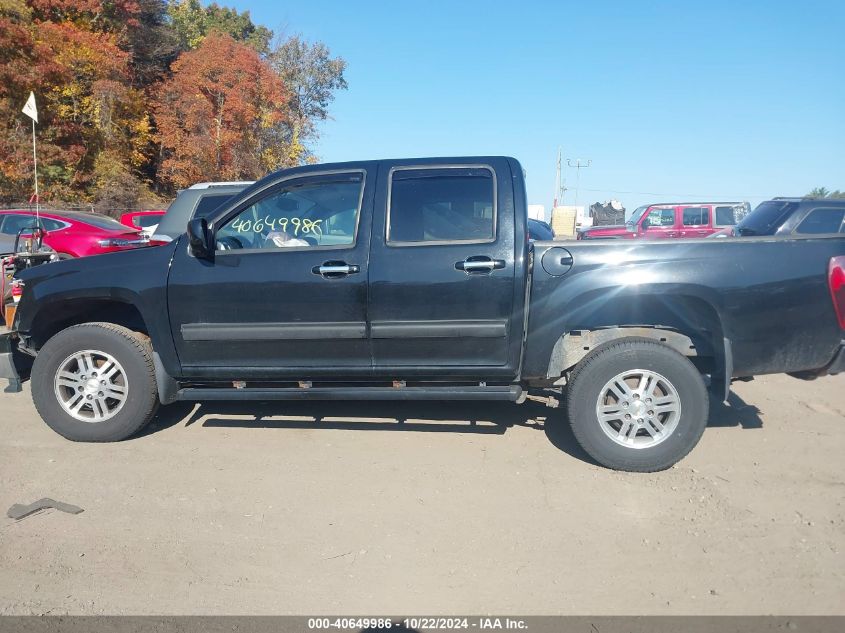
823,220
725,216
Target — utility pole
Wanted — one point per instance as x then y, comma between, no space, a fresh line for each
560,186
557,179
578,165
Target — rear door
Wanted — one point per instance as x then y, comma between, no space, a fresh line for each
286,292
442,271
695,221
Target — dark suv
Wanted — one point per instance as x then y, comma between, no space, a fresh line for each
800,216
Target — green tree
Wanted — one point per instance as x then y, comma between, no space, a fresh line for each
824,192
311,76
193,22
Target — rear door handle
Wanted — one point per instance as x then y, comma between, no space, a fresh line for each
479,264
332,270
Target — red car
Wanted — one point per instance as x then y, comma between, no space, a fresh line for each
73,233
673,220
146,221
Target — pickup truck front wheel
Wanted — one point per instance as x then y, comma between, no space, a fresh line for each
637,405
95,382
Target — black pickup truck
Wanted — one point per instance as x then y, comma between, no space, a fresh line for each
415,279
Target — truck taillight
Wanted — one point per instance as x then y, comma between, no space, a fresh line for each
836,281
17,290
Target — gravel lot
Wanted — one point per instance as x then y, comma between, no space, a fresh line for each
409,509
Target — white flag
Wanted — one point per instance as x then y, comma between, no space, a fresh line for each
29,109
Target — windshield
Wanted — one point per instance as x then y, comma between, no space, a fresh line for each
766,219
637,214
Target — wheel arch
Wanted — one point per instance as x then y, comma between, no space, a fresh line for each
688,324
53,318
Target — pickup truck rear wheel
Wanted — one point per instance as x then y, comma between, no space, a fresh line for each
637,405
95,382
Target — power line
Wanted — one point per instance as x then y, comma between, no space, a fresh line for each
691,195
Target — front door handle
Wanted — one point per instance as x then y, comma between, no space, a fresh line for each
332,270
479,264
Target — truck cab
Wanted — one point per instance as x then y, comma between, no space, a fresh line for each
393,269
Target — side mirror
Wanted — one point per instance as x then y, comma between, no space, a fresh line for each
199,240
645,224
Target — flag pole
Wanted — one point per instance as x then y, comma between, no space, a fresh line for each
35,169
30,109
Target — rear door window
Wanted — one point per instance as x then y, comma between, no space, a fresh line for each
696,216
823,220
441,205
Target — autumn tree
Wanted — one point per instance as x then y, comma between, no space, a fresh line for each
215,112
69,52
141,96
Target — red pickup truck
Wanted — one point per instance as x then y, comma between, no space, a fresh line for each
672,220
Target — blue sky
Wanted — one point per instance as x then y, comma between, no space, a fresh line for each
673,100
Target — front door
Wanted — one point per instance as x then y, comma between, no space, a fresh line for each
442,280
662,223
286,292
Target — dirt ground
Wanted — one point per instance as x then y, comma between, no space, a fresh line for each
427,508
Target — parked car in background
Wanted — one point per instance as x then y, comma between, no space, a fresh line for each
792,216
672,220
197,201
539,230
73,233
145,221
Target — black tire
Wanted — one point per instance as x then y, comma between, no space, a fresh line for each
592,374
134,353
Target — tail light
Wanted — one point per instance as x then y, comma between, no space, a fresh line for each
836,281
17,290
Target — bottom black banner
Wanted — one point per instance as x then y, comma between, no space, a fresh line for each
422,624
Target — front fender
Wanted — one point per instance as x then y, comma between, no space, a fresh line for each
136,278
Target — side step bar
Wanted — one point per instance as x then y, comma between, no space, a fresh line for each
510,393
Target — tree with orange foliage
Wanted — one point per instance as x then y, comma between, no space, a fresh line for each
69,52
138,97
216,112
